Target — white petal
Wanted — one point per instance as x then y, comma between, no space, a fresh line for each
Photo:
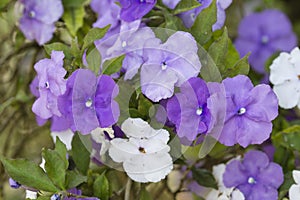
296,176
153,146
218,171
282,69
294,192
138,128
65,136
162,135
31,195
154,167
288,94
42,165
295,59
212,195
122,150
237,195
99,137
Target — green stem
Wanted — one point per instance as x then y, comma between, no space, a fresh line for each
127,190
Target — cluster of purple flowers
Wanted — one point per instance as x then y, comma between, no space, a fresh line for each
83,102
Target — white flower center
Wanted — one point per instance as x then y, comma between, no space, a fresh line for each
199,111
89,103
251,180
164,66
32,14
264,39
124,44
193,16
242,111
47,85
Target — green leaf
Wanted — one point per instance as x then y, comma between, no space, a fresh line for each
80,155
28,173
3,3
55,167
144,106
57,46
204,178
185,5
113,65
145,195
94,34
73,3
93,59
218,50
241,67
173,22
73,17
101,187
74,178
288,182
43,198
61,149
289,138
202,28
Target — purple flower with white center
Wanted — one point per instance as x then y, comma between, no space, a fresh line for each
130,42
37,22
188,109
89,104
51,84
261,35
249,112
135,9
255,176
190,16
168,65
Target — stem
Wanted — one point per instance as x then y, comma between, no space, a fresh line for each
127,190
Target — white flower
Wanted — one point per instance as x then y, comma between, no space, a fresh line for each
223,193
65,136
285,75
294,191
144,154
99,137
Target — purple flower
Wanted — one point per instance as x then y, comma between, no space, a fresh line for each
135,9
130,42
75,191
168,65
255,176
108,13
190,16
249,112
87,105
261,35
51,84
188,109
37,22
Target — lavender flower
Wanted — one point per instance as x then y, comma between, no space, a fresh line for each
130,42
255,176
261,35
168,65
51,84
14,184
249,112
190,16
37,22
135,9
89,104
188,109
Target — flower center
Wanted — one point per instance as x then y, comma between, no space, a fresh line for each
199,111
164,66
193,16
251,180
88,103
124,44
299,76
142,150
32,14
47,85
264,39
242,111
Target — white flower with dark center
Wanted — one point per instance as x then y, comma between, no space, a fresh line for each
294,191
145,154
285,75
